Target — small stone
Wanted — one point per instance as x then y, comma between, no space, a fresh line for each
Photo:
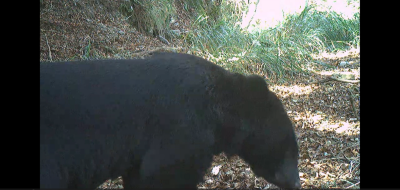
343,63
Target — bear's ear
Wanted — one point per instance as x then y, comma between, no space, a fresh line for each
255,83
247,82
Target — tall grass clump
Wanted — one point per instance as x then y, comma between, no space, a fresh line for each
151,17
221,40
330,28
284,48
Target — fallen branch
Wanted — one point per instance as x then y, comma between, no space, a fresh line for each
159,49
51,58
329,78
344,80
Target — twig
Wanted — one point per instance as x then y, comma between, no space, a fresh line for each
51,59
335,158
352,104
348,148
353,185
287,95
163,40
320,81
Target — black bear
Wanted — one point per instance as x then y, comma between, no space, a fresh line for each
157,122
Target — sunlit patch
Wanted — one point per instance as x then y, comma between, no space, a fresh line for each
343,128
295,89
316,118
337,55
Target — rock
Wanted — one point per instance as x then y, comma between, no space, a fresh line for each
343,63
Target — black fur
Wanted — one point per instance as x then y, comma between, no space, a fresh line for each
158,122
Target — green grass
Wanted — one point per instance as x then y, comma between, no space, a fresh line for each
277,52
151,17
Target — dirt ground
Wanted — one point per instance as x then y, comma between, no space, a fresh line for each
323,106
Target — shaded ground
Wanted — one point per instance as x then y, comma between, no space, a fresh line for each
325,112
75,30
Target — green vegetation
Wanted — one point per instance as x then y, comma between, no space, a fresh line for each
275,52
149,16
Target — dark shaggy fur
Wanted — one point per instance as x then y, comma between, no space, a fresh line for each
158,122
